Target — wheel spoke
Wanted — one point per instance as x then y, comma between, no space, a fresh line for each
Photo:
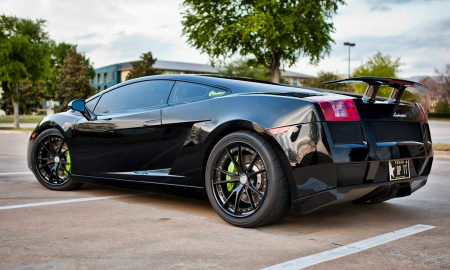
50,152
58,166
250,197
255,173
47,159
240,159
226,172
64,167
238,198
250,167
60,147
252,187
52,171
46,164
234,161
229,197
50,143
226,182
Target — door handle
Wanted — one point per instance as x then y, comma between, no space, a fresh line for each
152,123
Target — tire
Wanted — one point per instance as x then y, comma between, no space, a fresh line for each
232,186
50,160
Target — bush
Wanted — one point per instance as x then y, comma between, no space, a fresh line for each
439,115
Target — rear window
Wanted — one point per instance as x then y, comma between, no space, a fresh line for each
190,91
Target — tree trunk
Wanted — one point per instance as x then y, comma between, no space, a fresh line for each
15,102
275,69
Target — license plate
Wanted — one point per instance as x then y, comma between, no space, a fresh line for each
398,169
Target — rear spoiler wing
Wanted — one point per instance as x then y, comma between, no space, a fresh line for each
374,83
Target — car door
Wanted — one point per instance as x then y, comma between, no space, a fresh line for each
120,143
178,130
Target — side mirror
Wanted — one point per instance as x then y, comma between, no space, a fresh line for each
79,105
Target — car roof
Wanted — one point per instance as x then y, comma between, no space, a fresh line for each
236,84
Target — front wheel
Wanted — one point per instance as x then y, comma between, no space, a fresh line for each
246,182
51,162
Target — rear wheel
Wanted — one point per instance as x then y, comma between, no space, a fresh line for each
51,161
246,182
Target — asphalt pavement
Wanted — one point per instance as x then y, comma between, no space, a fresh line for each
440,131
106,228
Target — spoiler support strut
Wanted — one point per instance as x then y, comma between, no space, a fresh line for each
374,83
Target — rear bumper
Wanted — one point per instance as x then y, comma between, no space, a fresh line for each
374,191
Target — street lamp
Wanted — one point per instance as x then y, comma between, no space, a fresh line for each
349,45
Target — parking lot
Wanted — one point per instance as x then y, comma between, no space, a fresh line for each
105,228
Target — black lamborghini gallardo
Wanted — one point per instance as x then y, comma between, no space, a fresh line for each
256,150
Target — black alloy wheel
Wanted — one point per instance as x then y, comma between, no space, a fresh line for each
246,182
240,182
51,161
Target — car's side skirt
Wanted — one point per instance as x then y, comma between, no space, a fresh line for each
191,192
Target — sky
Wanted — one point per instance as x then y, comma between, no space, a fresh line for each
113,31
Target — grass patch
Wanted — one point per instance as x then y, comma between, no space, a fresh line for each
439,119
22,118
11,128
441,146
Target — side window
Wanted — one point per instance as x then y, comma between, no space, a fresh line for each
189,91
91,103
135,96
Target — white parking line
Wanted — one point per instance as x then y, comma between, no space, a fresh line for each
349,249
12,173
61,202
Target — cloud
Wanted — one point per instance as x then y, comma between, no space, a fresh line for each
386,5
380,8
86,36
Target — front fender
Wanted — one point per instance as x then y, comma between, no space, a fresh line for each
64,122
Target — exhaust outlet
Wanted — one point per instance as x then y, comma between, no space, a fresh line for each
403,191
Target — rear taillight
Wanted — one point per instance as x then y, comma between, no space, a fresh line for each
337,109
424,115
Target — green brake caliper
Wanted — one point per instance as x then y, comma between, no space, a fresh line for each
233,169
68,161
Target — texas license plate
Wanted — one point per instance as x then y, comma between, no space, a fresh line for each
398,169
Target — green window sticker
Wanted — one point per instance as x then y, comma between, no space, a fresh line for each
216,94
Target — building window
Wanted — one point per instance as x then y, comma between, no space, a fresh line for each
294,81
106,87
98,89
106,75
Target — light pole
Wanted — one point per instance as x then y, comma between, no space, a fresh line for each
349,45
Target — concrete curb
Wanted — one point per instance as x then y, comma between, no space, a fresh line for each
442,154
15,132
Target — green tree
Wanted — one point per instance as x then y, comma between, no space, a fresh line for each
24,57
380,65
73,80
144,67
242,68
272,32
442,107
31,96
326,76
59,52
